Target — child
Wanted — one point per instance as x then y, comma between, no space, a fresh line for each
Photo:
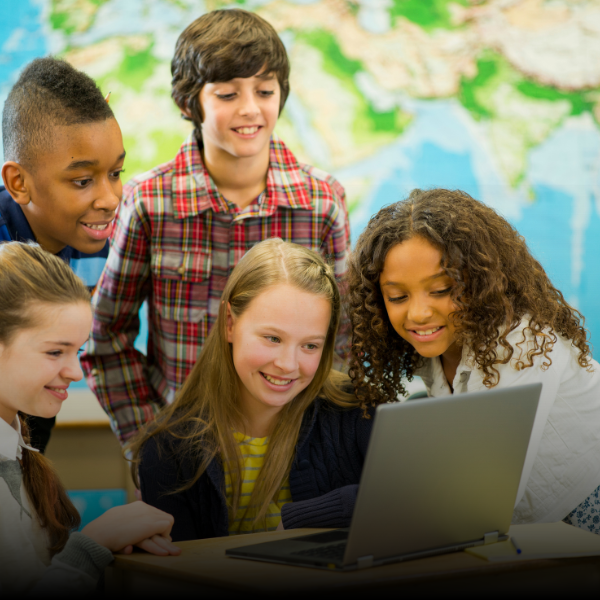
443,287
262,419
64,157
184,225
45,316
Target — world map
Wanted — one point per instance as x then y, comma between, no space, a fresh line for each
500,98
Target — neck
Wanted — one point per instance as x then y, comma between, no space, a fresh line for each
7,414
258,420
450,361
240,180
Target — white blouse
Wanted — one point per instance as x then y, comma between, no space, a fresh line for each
562,465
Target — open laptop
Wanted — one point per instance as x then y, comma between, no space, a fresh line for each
441,474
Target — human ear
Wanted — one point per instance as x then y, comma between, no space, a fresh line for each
14,176
230,324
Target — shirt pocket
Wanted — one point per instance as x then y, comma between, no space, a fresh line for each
180,283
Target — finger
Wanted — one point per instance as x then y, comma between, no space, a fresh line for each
166,544
126,550
152,547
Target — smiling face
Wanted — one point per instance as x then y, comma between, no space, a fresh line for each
39,363
417,297
277,343
72,195
239,115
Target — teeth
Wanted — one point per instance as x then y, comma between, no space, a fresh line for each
428,331
97,227
59,390
247,130
276,381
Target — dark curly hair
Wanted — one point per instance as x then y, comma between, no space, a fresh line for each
222,45
496,283
49,92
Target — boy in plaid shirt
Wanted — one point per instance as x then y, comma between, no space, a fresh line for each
185,224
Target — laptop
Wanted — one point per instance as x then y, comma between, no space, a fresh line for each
440,475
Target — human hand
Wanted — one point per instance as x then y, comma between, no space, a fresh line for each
280,526
135,524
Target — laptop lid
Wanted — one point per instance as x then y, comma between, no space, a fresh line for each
440,472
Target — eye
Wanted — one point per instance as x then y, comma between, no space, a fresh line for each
55,353
225,96
266,93
443,292
397,299
312,346
272,338
117,174
82,182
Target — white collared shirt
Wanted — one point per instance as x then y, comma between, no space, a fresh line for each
11,440
24,554
562,465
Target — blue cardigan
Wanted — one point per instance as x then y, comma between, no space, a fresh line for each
324,477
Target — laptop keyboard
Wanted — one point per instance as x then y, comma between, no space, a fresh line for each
333,551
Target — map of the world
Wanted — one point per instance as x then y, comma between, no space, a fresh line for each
500,98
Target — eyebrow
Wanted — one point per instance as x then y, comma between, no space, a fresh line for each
281,332
84,164
440,274
59,343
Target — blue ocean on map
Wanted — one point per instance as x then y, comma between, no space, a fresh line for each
556,208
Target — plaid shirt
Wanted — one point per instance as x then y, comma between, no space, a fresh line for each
175,244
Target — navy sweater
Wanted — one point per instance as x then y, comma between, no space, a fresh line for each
324,477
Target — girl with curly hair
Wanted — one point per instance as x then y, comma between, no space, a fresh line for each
442,287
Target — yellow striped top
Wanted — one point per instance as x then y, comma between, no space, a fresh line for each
253,452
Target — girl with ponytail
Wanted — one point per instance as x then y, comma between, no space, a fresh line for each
45,317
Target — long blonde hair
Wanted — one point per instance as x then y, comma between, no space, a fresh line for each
29,278
206,410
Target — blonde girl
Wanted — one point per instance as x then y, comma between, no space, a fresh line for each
443,287
261,434
45,317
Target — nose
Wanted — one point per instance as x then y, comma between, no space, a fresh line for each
419,310
109,195
72,370
286,360
248,105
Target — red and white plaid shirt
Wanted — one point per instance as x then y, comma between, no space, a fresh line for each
175,244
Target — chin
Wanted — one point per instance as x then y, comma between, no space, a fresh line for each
90,247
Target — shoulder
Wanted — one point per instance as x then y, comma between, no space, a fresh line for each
323,187
143,186
327,415
523,341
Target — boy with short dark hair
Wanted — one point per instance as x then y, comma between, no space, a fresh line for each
63,153
184,225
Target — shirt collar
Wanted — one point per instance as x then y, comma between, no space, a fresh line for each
194,191
18,226
11,440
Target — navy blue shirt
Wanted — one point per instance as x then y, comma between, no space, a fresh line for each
324,477
15,227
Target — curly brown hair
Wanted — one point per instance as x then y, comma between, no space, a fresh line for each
497,282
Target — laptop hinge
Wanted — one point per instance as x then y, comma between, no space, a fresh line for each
365,561
490,538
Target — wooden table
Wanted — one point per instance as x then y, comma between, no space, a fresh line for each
203,567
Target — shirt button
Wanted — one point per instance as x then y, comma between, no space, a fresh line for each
181,270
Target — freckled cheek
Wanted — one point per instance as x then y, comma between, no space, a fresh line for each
258,358
309,365
396,316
